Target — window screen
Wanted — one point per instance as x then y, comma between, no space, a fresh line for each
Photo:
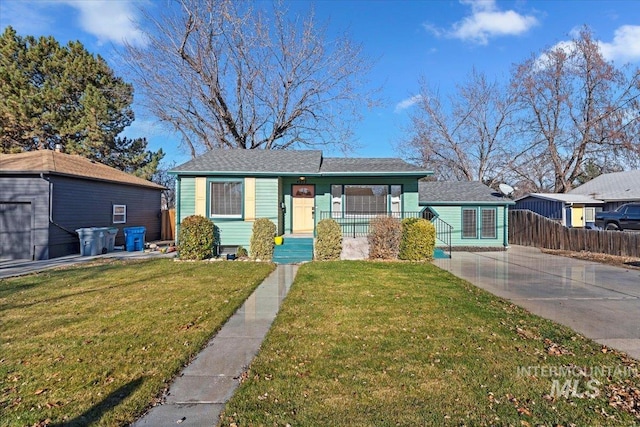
469,226
365,199
226,199
488,224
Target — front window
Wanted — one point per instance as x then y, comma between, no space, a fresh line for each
365,199
225,199
469,226
488,230
119,214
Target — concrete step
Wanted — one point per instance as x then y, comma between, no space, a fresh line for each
440,254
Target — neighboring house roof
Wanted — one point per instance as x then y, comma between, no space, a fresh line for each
616,186
55,163
564,197
292,162
459,192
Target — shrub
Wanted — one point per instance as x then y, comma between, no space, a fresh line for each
241,252
385,233
196,238
328,240
418,239
262,239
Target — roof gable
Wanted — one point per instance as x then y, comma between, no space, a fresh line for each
53,162
459,192
616,186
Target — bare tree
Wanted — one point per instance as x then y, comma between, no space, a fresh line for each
465,136
225,74
575,109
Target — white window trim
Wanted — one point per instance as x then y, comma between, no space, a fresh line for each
210,201
123,214
494,227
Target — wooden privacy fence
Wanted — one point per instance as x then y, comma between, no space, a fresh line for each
527,228
168,225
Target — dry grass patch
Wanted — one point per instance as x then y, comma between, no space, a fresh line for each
381,344
95,345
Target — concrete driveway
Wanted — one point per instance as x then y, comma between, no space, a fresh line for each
599,301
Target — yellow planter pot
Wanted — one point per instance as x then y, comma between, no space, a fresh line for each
278,240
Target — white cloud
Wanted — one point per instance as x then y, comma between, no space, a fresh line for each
485,22
625,46
109,21
407,103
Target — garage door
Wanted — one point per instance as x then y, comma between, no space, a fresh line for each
15,230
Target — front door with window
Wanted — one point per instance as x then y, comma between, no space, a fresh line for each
303,208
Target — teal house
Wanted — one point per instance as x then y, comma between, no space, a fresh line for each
297,189
476,216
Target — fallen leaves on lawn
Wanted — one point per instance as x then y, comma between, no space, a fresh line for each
625,397
554,349
525,334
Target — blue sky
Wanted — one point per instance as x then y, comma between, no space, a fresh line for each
439,40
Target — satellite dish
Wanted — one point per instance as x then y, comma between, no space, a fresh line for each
505,189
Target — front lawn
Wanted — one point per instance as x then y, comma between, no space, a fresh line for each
386,344
96,344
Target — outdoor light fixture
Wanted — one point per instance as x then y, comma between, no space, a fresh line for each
302,178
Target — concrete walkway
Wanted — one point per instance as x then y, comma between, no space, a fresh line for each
199,394
11,268
599,301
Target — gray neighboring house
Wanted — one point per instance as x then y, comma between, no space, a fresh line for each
614,189
46,195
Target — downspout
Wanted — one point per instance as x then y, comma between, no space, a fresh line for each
51,221
505,222
177,209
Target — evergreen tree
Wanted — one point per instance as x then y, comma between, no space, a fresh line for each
52,94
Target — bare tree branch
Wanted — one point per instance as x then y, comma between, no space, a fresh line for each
228,74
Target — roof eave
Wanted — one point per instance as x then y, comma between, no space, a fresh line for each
466,203
316,174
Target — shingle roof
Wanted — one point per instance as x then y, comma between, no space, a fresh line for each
292,162
616,186
564,197
373,165
458,192
52,162
258,161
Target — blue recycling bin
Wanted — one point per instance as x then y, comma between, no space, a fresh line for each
134,238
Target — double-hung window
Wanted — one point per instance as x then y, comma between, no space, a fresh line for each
225,199
488,225
469,223
479,221
119,214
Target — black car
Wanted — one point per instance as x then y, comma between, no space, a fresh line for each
626,217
